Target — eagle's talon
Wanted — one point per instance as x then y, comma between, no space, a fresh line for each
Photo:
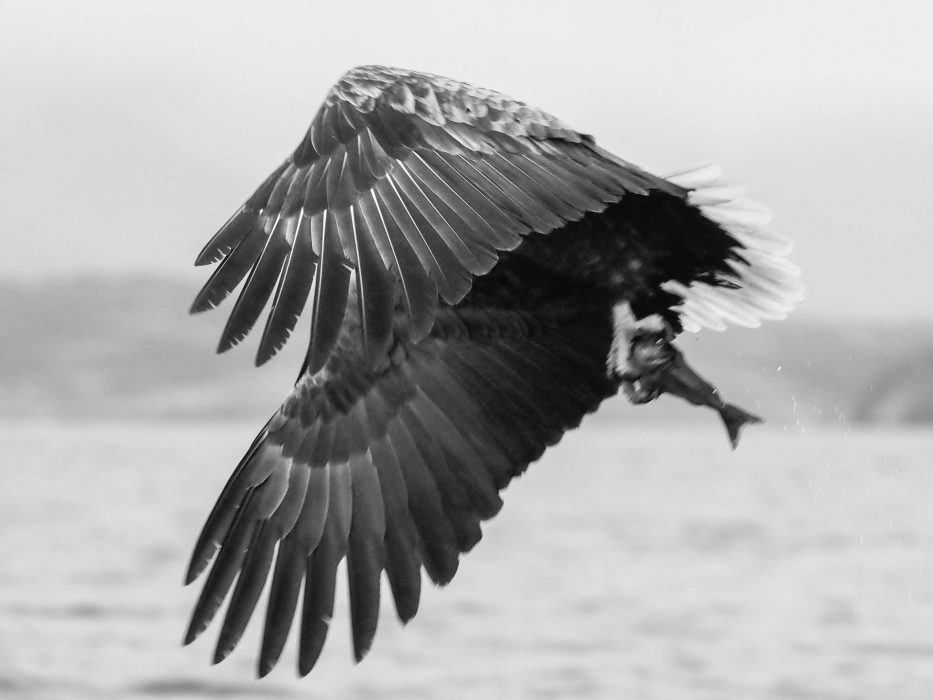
637,393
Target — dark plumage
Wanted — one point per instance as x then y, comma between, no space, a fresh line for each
475,271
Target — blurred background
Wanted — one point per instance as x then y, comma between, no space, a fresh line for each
666,566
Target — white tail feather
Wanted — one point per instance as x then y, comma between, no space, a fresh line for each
715,195
696,178
767,284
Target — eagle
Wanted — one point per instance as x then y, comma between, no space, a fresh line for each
479,276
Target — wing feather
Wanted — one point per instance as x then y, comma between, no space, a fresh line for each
464,463
571,190
458,399
244,221
230,272
434,527
405,220
514,169
255,467
366,555
329,293
501,228
454,502
439,226
393,470
540,217
256,565
290,567
256,507
259,285
462,174
375,290
320,588
235,230
479,232
315,200
417,290
249,585
402,563
293,289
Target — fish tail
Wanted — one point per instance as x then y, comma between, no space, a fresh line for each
735,419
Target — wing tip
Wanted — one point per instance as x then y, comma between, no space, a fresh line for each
206,257
202,302
406,611
200,558
230,338
307,660
265,666
195,628
263,355
192,574
360,651
221,652
269,344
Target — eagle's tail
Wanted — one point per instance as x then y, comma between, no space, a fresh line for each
762,283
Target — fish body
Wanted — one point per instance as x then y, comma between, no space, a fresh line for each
657,367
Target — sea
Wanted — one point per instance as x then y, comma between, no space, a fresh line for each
633,561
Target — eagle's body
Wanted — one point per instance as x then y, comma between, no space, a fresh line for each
466,258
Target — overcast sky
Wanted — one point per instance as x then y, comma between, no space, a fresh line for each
130,131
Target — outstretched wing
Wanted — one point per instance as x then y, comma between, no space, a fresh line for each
392,470
412,181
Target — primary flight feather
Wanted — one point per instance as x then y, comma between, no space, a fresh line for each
479,276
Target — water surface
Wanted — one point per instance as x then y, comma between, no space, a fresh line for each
629,562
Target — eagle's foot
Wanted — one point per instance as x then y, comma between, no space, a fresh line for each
638,392
638,345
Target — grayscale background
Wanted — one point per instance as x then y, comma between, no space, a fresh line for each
640,558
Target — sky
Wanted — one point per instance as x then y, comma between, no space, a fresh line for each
130,131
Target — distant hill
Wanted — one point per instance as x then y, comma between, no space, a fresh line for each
118,348
901,393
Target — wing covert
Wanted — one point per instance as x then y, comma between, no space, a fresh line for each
411,184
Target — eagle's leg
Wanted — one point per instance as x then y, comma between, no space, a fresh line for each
643,357
637,345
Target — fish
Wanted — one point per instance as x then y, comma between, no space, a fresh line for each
656,366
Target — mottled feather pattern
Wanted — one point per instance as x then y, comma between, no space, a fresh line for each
439,100
463,173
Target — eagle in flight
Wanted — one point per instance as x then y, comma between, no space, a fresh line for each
480,277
